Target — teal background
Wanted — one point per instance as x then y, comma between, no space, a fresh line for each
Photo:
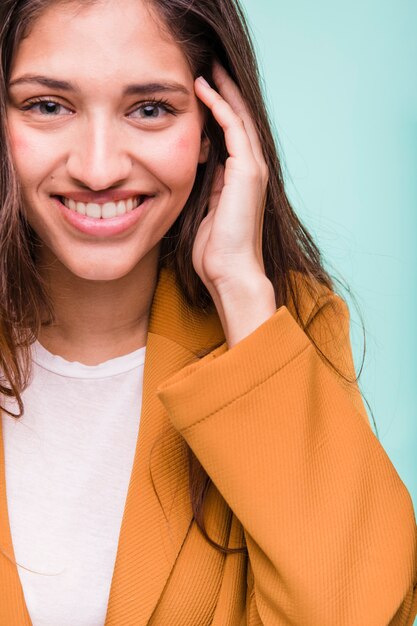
341,84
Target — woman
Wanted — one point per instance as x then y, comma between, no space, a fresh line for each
143,208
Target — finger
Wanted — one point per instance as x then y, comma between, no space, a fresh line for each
231,93
237,140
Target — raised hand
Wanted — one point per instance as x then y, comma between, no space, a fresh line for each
227,253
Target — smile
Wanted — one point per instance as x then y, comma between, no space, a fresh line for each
106,210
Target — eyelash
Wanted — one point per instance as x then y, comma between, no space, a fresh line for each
31,104
161,102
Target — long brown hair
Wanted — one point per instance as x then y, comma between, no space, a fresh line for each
206,30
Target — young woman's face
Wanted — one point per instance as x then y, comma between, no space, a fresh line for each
105,131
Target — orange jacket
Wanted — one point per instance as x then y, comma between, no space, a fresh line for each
297,474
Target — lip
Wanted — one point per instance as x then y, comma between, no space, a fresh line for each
102,227
111,195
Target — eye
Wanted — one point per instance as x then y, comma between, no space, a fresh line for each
47,107
152,110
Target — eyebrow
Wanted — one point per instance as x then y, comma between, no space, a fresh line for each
129,90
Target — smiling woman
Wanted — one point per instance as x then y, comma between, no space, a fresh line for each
183,439
101,130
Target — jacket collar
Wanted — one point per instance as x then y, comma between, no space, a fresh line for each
157,513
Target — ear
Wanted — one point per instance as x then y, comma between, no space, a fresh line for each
204,148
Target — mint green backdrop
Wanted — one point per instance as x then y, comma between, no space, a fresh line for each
341,84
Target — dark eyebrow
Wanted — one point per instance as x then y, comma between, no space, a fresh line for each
149,88
140,89
43,80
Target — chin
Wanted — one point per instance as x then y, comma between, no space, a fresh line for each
99,271
100,263
100,276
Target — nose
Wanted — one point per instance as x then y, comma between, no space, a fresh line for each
99,158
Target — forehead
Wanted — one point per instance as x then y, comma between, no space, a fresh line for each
106,38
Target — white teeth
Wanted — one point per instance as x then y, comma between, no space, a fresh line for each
121,208
109,210
93,210
104,211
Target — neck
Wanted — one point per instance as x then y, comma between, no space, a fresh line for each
98,320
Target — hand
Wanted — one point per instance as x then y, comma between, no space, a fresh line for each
227,253
229,240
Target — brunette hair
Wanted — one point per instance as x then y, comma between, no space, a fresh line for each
207,30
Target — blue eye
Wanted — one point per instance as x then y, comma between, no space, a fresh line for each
47,108
152,110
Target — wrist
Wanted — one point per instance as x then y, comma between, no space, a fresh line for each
244,304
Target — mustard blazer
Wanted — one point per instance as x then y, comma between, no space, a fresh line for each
299,476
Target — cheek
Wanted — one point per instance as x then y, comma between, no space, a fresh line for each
178,159
20,149
18,142
30,157
184,144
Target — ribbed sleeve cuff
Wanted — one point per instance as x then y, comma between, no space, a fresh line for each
223,376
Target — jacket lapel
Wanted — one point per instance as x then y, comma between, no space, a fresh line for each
13,611
158,513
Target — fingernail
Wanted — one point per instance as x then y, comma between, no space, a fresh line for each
203,81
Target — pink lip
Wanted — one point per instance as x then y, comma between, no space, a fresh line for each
111,195
98,227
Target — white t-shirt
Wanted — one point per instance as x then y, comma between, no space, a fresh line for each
68,464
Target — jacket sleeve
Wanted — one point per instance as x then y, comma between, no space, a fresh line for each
329,525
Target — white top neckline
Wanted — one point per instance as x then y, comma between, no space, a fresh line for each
68,463
74,369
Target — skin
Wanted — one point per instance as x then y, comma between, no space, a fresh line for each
98,139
